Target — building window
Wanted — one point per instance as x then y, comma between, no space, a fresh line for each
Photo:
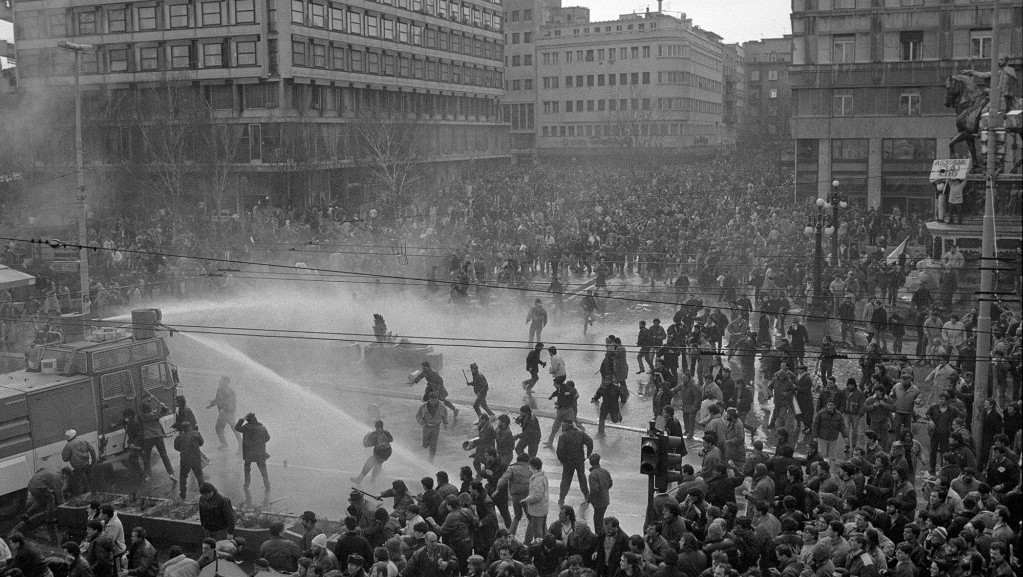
117,20
527,84
527,60
980,44
318,15
149,58
118,58
337,58
754,76
298,11
372,27
355,23
403,28
417,37
515,37
646,78
849,149
147,17
908,149
244,11
87,22
212,55
178,15
180,57
843,48
646,52
357,61
337,18
527,37
245,53
388,26
211,13
298,53
90,62
909,104
527,14
58,25
773,93
842,104
911,45
772,75
319,55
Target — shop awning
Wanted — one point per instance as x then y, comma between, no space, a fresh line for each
10,278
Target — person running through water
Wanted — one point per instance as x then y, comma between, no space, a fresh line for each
589,306
380,440
434,384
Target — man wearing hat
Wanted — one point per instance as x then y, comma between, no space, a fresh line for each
254,440
309,528
322,556
360,509
81,455
188,444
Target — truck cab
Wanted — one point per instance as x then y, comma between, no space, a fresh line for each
83,385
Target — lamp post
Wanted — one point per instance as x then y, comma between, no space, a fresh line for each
818,226
83,252
836,201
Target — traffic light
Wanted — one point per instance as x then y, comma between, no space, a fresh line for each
649,455
669,462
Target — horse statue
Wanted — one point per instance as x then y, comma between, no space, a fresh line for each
968,100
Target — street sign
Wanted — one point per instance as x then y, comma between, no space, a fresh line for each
950,169
64,266
66,254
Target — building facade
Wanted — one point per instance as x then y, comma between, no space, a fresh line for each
733,66
768,92
524,18
868,90
270,68
643,81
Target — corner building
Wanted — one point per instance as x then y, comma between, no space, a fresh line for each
868,91
270,67
648,81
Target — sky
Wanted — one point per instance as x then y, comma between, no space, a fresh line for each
734,20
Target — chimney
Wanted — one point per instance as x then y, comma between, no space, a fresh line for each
659,4
647,11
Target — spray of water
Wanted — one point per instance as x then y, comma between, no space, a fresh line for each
289,391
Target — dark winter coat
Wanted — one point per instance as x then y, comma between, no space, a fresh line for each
189,444
254,440
574,446
216,512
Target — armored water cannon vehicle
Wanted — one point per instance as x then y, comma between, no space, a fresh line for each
393,352
83,381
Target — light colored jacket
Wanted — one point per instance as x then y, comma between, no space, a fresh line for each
905,397
538,501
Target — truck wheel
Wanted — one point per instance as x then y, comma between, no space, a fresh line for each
13,503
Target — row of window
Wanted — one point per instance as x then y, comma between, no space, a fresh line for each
123,18
606,28
521,116
527,15
519,38
772,75
842,104
337,18
609,54
464,12
911,46
591,80
311,53
624,104
857,149
516,60
618,130
516,85
142,58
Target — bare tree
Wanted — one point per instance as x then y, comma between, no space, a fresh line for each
220,143
390,148
287,149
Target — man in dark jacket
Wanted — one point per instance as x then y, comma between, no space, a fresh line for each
254,440
533,364
610,548
99,550
352,542
600,487
280,553
141,556
189,444
152,436
216,515
574,447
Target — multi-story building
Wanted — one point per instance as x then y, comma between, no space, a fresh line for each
768,91
268,68
734,73
868,90
523,20
641,81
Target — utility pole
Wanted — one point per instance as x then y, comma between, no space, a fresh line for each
83,252
987,251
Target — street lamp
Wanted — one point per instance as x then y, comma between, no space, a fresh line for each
83,252
818,227
834,203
